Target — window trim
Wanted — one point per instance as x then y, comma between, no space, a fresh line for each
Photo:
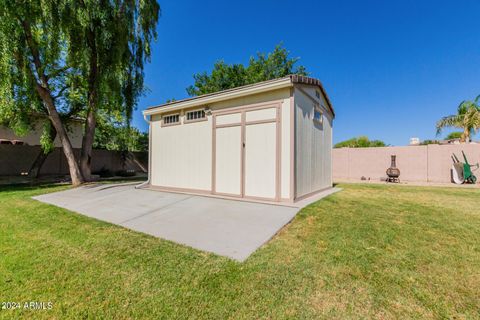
316,108
195,120
173,123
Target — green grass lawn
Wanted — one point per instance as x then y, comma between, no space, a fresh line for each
370,251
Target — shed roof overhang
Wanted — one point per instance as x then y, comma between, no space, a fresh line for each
238,92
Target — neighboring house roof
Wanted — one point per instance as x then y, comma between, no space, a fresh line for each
237,92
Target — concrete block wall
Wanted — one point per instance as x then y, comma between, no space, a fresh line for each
15,159
429,163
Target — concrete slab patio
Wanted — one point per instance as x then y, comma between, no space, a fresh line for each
226,227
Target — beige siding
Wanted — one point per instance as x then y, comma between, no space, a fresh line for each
228,119
74,130
260,160
262,114
328,169
313,143
282,95
312,92
182,155
253,99
285,153
228,163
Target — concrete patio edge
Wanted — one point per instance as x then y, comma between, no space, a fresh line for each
230,228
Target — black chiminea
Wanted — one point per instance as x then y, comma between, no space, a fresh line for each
393,172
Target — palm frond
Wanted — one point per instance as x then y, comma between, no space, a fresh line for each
449,121
467,118
477,100
472,119
463,106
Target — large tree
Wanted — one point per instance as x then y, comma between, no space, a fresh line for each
467,118
64,58
33,69
110,44
263,67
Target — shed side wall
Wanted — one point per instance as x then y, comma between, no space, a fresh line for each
313,143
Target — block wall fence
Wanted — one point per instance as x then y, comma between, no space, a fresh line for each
15,159
431,163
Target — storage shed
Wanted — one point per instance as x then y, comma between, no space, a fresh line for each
268,141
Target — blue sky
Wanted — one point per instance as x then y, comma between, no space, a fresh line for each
410,61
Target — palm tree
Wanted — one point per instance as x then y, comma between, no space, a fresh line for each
467,118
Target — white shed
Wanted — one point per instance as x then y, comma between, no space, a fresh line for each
268,141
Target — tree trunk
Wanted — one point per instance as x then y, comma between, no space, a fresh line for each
41,157
465,135
90,123
74,169
87,144
47,99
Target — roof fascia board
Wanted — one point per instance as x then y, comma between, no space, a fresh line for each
231,94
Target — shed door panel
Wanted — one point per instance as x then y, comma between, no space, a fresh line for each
228,155
260,160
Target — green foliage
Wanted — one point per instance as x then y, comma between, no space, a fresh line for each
454,135
45,139
68,40
119,137
263,67
360,142
19,71
467,118
109,44
429,141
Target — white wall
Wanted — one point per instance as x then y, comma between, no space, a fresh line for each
313,143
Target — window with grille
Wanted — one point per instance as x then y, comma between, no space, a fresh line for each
317,114
171,119
195,115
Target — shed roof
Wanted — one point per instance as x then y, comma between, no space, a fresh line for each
237,92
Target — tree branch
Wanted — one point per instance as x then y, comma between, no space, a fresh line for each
60,92
58,72
35,53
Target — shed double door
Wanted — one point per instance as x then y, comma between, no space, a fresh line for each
246,153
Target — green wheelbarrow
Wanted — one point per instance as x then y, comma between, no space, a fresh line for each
462,172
